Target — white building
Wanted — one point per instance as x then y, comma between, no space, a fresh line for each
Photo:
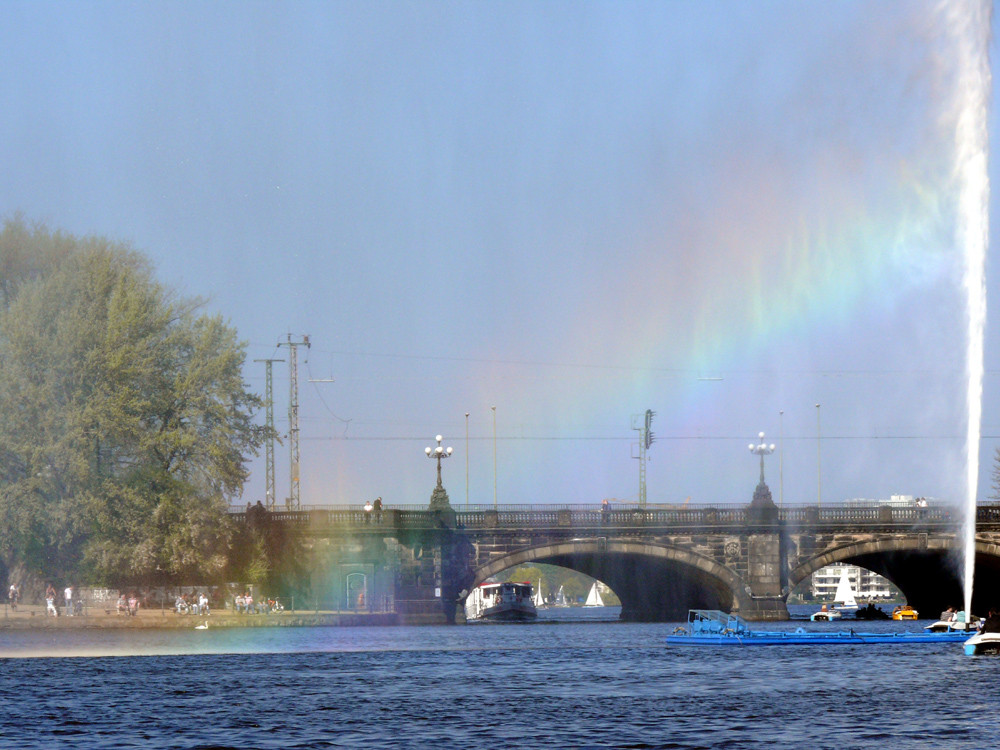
896,501
866,584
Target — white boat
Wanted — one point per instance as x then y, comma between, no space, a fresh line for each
538,599
594,597
825,615
560,600
500,602
954,621
983,643
845,600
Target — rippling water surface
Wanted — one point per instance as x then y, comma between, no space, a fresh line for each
566,684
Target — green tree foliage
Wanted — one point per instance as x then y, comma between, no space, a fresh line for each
26,253
266,554
125,424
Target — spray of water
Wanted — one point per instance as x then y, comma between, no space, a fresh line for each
972,22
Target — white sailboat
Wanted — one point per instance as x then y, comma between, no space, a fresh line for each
539,601
594,597
845,600
560,599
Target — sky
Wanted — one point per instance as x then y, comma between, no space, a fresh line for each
744,217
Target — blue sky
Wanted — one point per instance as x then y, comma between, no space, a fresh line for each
571,211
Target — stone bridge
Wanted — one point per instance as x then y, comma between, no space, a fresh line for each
660,561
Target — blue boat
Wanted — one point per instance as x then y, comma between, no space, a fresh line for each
710,627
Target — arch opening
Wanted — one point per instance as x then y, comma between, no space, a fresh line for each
654,584
822,586
559,585
926,572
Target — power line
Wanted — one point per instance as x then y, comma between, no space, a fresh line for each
319,394
659,438
700,374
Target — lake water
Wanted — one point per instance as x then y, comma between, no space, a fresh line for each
574,684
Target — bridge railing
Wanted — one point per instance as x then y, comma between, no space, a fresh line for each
541,516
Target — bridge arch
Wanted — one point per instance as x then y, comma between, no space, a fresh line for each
926,568
654,582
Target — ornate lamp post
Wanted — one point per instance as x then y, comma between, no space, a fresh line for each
762,449
762,507
439,497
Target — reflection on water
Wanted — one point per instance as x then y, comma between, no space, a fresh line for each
546,684
281,640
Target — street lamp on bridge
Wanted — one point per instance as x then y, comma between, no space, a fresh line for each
762,449
762,508
439,497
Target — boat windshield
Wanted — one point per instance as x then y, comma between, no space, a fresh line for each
716,621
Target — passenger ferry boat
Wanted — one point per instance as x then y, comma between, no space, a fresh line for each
500,602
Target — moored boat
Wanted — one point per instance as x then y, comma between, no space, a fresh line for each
500,602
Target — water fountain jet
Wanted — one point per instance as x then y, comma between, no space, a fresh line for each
972,23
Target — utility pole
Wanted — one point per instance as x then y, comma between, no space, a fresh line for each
466,462
645,440
494,410
293,502
269,443
819,471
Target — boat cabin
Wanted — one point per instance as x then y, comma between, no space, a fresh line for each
501,601
713,621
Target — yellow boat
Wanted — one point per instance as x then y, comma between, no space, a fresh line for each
906,612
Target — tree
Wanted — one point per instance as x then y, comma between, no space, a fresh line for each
265,553
125,424
26,253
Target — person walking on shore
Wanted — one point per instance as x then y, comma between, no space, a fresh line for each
13,595
68,596
50,602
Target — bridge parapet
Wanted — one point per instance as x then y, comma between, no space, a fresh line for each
551,517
